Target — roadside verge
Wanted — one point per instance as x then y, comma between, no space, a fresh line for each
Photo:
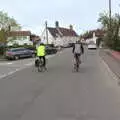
109,57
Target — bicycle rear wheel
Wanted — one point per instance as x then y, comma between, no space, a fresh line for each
76,67
40,66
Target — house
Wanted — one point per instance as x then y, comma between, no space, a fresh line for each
60,36
19,37
93,35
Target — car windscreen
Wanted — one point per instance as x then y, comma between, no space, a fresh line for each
91,43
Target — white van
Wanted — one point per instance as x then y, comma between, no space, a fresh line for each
92,45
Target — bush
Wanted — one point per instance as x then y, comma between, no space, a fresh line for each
117,49
1,50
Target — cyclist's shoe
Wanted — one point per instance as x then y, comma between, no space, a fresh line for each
45,68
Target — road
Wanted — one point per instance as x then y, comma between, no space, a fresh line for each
10,67
60,94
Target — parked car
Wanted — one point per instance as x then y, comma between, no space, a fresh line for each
92,45
50,50
71,44
17,53
67,45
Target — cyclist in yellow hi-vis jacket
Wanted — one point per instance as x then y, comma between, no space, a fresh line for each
41,53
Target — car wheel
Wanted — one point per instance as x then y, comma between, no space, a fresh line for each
8,58
16,57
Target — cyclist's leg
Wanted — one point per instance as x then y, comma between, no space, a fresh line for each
79,58
77,62
75,57
39,57
44,61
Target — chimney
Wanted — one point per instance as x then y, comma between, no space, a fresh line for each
56,24
71,27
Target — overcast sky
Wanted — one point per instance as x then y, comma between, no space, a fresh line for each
32,14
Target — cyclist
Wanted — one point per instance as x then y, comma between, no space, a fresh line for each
77,51
41,53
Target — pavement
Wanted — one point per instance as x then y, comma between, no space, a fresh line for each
112,58
60,93
116,55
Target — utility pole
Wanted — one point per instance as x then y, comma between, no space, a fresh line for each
46,31
110,14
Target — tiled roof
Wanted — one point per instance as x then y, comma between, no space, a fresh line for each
19,33
99,33
62,31
67,32
53,31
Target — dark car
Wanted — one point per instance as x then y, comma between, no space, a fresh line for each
17,53
50,50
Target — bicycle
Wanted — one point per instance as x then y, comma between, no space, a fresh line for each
39,63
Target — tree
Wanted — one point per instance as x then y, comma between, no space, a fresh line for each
6,23
2,35
111,38
87,34
104,20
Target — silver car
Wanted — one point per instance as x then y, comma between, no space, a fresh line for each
17,53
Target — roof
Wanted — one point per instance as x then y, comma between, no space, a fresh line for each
62,31
99,33
53,31
67,32
19,33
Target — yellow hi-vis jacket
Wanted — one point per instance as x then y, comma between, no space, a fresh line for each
41,51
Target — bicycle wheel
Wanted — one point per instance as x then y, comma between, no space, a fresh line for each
40,66
77,67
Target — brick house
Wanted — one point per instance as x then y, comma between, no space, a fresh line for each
19,37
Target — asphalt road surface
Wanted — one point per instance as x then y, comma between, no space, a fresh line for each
61,94
8,67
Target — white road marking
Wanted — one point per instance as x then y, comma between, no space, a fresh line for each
29,64
2,76
12,72
9,63
19,69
